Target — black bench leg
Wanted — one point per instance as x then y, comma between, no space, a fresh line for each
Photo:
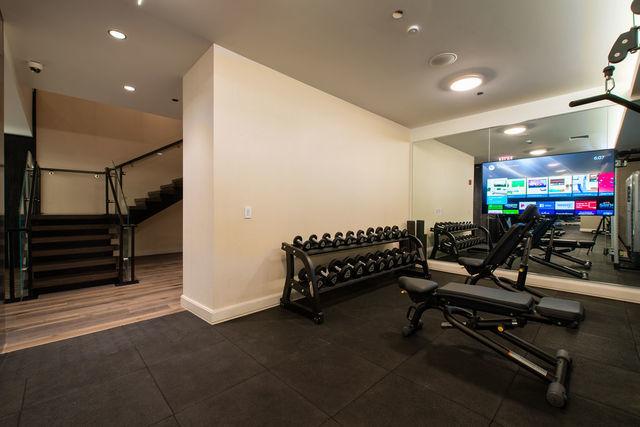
414,315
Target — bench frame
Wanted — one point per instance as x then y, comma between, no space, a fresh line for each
468,321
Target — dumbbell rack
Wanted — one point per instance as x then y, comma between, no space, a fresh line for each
309,304
450,245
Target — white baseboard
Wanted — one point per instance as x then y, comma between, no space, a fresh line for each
223,314
565,284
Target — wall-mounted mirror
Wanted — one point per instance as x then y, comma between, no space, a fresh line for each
478,183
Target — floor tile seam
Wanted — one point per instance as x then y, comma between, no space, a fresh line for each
437,392
269,370
73,389
24,392
606,405
155,383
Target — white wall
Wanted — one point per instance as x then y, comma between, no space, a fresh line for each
306,162
442,183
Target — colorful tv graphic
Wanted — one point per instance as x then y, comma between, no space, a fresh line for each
565,184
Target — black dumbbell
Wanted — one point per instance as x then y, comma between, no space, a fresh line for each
371,235
380,234
396,232
297,242
361,237
396,254
338,240
315,243
326,238
343,271
369,264
379,260
357,266
350,238
324,278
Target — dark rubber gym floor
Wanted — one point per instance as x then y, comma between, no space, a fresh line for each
277,368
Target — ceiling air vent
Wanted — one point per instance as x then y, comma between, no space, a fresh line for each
578,137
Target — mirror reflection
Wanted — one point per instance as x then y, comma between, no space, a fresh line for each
470,188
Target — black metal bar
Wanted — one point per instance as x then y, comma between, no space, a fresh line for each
527,346
606,97
79,171
149,154
500,349
106,190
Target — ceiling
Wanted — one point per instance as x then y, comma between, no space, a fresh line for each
551,133
352,49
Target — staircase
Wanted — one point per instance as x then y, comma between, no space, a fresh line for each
156,201
72,250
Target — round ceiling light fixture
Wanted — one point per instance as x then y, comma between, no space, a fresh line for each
443,59
538,152
397,14
118,35
515,130
129,88
413,29
466,82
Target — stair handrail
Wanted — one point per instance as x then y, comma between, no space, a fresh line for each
148,154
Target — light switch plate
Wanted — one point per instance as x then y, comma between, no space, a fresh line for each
248,212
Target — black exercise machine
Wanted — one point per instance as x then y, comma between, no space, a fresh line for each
461,305
517,236
558,247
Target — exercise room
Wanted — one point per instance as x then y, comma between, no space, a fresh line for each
355,213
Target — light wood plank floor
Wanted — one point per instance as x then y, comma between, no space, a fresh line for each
58,316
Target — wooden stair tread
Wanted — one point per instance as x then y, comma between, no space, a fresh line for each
73,251
66,239
68,264
74,279
69,227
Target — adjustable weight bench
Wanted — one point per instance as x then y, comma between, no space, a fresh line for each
461,305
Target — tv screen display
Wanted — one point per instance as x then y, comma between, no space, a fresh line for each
565,184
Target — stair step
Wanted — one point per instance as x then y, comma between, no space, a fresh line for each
67,239
73,251
168,189
70,264
72,219
76,279
68,227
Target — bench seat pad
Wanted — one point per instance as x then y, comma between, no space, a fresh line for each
563,309
479,294
471,262
417,286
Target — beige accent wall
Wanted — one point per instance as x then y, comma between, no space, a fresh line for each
305,161
79,134
442,184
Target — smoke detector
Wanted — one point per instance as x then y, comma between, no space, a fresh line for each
443,59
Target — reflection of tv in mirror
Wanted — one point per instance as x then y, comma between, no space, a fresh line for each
564,184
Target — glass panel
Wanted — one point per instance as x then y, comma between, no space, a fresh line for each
151,173
445,176
127,256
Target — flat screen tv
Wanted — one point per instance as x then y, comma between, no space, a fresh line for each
564,184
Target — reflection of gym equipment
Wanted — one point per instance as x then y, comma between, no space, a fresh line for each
604,227
632,261
518,235
556,247
455,237
462,306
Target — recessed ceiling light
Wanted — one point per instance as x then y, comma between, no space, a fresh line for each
466,82
529,141
561,171
118,35
553,165
538,152
443,59
159,153
516,130
414,29
140,2
398,14
129,88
